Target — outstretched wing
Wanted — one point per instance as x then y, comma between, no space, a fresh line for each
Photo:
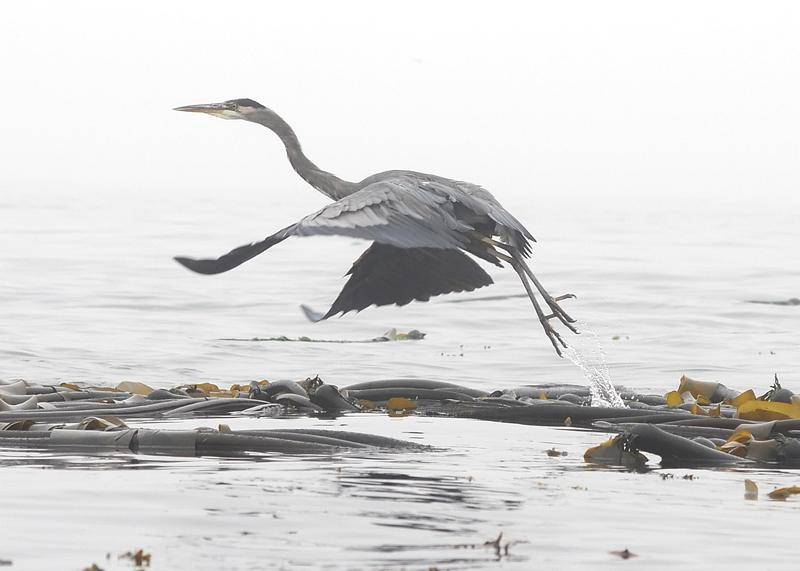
396,212
236,256
385,274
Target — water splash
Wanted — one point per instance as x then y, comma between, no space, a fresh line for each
587,354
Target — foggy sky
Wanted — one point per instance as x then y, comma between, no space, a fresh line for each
539,100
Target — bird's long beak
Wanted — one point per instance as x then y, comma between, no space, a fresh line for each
223,110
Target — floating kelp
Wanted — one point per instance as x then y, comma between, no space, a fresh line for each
391,335
111,434
624,553
304,396
615,452
554,413
709,424
790,301
750,490
701,422
748,442
784,493
21,401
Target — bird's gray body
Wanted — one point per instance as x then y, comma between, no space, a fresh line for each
415,210
420,225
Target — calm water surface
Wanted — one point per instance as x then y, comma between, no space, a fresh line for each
89,294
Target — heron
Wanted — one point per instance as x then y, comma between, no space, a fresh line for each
421,227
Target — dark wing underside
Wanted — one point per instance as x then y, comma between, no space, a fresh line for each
386,274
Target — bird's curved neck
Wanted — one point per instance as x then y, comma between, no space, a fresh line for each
328,184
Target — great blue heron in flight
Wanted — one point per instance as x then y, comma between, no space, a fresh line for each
420,225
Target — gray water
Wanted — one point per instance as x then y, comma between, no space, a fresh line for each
89,294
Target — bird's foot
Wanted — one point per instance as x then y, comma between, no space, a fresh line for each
558,311
552,334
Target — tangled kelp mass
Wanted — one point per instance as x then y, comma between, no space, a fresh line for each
419,456
699,423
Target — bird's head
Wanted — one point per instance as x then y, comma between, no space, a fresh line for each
232,109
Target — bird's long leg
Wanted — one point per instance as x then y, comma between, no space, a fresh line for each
551,333
552,302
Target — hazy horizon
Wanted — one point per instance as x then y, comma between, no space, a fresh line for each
553,102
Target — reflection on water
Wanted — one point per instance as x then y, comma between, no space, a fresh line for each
382,509
64,460
423,489
449,556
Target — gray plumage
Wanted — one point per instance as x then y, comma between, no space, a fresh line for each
420,225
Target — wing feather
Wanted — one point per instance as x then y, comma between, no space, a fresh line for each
385,274
235,257
398,212
404,211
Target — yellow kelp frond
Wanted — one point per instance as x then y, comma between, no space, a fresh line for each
750,490
400,406
783,493
765,410
673,399
135,387
615,452
742,398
